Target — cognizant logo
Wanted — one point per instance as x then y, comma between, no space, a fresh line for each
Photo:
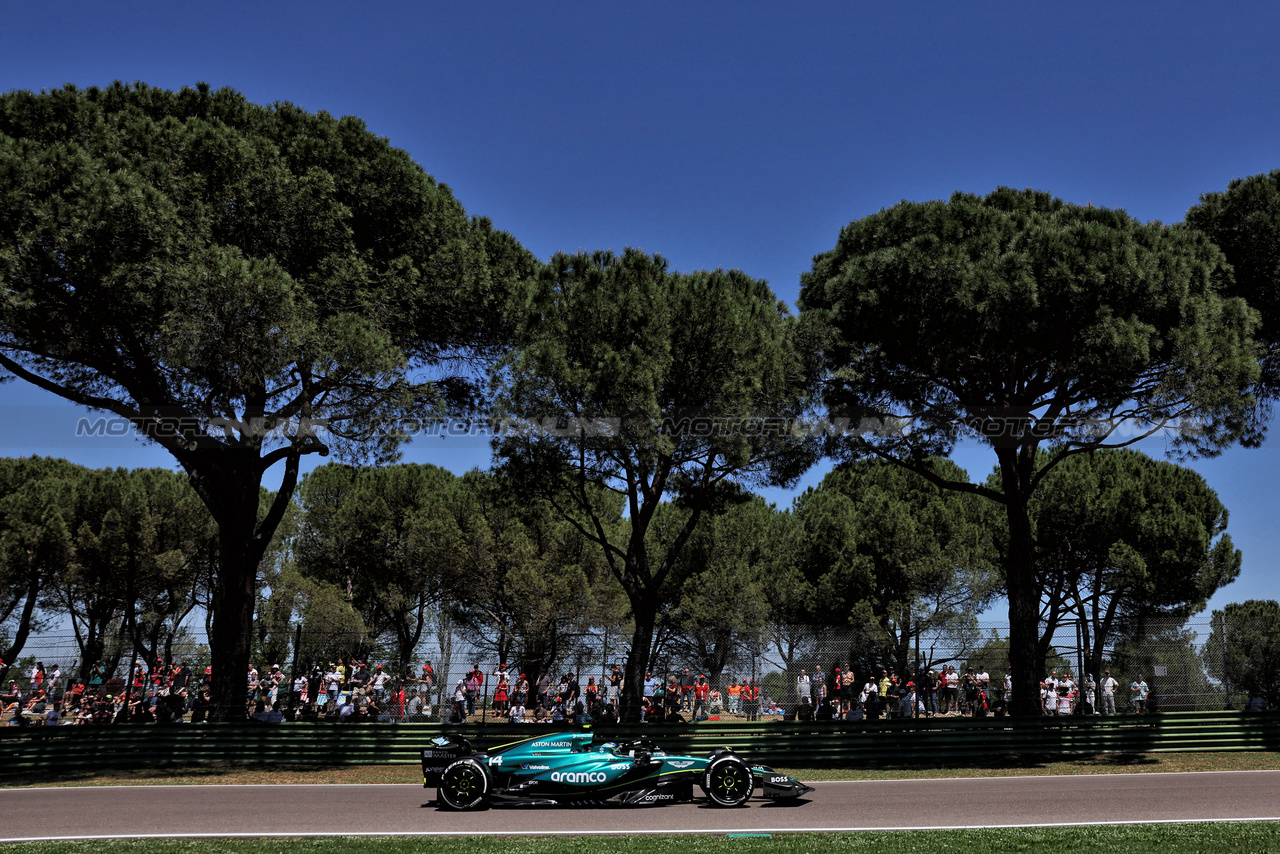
577,776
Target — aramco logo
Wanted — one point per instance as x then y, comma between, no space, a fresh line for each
577,777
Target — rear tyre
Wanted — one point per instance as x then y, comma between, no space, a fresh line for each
464,785
727,781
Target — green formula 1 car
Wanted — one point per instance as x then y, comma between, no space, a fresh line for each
571,767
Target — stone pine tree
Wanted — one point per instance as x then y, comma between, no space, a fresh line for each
35,543
1244,221
142,542
920,560
366,530
1122,539
1243,649
1026,322
649,384
722,607
243,284
528,583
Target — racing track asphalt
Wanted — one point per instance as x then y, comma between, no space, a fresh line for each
359,809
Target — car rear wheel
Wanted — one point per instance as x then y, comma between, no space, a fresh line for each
727,781
464,785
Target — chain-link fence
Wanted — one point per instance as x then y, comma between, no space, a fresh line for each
786,670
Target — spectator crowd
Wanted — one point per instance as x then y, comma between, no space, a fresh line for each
348,690
168,692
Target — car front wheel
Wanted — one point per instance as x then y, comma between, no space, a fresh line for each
727,781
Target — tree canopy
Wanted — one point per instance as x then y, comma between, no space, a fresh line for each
1017,318
243,284
1244,221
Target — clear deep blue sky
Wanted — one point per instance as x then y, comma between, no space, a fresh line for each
722,134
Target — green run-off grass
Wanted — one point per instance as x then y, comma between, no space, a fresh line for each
1196,838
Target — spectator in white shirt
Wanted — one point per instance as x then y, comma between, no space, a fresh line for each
1109,687
379,684
332,684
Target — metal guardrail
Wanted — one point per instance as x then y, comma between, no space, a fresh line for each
785,744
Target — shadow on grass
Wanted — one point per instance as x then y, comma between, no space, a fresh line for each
204,772
1119,760
1012,762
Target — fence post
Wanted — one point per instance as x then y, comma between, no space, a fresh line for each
1079,651
293,675
1226,670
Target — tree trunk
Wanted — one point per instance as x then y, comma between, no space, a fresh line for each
24,624
92,652
239,553
115,651
644,609
1023,592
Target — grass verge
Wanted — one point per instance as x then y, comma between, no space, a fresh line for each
1165,838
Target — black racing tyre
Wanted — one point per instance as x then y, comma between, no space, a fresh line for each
464,785
727,782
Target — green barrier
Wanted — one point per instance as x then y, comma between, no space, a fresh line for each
788,744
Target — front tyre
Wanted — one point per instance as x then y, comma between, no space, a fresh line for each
727,782
464,785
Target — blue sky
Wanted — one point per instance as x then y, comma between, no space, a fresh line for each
721,134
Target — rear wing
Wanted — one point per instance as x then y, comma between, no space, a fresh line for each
442,751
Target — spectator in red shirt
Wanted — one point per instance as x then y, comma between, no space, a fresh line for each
428,677
701,690
474,684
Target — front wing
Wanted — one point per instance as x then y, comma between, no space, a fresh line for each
776,786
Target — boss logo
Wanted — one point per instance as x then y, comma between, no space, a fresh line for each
780,780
